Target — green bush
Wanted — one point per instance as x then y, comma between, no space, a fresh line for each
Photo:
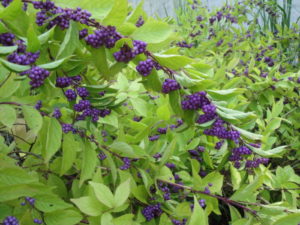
102,122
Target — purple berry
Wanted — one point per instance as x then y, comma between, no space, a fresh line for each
56,113
70,94
170,85
145,67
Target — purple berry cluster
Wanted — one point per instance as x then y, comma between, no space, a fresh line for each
126,164
10,220
70,94
58,16
162,130
56,113
37,76
220,15
83,33
66,128
219,145
27,58
137,118
179,222
83,107
87,110
209,114
126,53
37,221
140,22
221,130
219,43
29,200
154,137
166,191
38,105
82,92
256,162
152,211
145,67
102,156
195,154
195,101
184,44
7,39
202,203
269,61
238,154
106,36
63,82
170,85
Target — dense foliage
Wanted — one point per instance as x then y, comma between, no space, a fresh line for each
104,120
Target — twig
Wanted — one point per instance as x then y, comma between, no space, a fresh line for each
26,153
226,200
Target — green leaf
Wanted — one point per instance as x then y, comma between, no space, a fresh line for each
33,118
106,219
99,59
88,205
53,65
43,38
234,213
163,112
66,217
175,102
216,179
33,43
122,193
50,203
70,42
233,63
248,134
140,106
174,62
120,9
50,137
103,194
14,67
152,82
11,192
123,149
272,125
275,152
99,9
234,114
89,163
248,193
153,32
8,115
168,152
9,86
198,216
277,108
292,219
70,148
225,94
137,12
15,18
235,177
7,49
15,175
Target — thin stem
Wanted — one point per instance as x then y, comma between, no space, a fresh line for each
226,200
26,153
10,103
